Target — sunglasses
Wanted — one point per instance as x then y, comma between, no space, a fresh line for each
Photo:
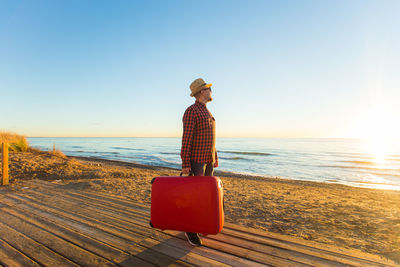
207,89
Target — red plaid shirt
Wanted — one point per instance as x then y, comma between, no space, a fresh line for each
198,140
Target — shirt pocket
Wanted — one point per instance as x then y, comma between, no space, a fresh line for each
205,122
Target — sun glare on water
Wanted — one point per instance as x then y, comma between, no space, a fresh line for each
378,149
380,131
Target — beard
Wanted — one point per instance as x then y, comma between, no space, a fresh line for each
210,99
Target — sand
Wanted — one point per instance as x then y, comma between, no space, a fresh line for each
339,215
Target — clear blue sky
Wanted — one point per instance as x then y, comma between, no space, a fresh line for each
123,68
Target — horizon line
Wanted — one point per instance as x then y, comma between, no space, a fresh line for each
271,137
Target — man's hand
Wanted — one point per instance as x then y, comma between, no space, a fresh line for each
185,171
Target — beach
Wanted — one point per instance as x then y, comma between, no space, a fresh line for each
343,216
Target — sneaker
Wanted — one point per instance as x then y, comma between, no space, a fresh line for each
193,239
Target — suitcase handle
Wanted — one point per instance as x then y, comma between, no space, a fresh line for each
190,174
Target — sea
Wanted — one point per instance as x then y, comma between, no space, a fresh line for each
351,162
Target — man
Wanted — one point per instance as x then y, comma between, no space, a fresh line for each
198,153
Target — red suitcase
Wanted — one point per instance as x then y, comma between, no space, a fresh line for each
187,204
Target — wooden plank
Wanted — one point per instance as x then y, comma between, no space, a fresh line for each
337,255
296,248
92,204
109,234
122,200
104,201
9,256
4,177
128,246
90,196
88,214
283,238
87,243
113,218
285,253
127,208
185,254
346,256
226,258
252,255
80,198
143,228
59,245
150,243
32,249
70,211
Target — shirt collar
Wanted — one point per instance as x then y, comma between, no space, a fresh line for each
199,103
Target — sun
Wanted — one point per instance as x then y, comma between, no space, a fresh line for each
380,130
378,149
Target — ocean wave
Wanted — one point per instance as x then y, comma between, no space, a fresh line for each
105,153
127,148
360,168
170,153
367,162
174,163
386,174
92,152
375,171
360,162
347,154
247,153
233,158
332,180
372,183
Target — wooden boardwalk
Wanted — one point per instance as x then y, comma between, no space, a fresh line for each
48,224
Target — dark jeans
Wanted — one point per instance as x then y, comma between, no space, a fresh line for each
202,169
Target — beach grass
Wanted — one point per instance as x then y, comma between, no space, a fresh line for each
17,143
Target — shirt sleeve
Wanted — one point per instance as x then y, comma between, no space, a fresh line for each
187,137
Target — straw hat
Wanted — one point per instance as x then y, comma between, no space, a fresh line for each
198,85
